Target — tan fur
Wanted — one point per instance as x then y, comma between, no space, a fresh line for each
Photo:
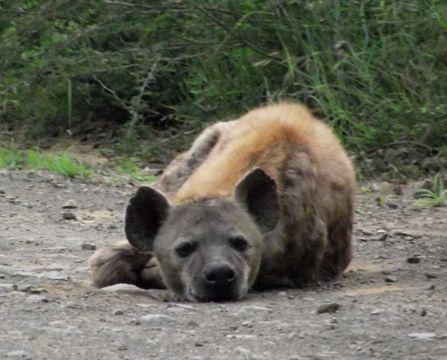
262,139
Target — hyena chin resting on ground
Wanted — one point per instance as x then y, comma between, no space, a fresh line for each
262,201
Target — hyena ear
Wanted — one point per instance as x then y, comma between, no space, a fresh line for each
257,193
145,214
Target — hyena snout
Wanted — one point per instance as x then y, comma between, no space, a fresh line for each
219,275
218,282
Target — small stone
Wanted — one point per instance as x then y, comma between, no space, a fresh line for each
19,354
70,204
2,192
123,288
430,287
158,319
376,312
86,246
5,288
118,312
36,299
422,335
192,323
328,308
68,215
198,344
122,348
441,337
431,275
413,260
24,288
423,312
390,279
392,205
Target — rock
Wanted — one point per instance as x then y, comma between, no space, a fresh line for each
35,299
413,260
156,319
423,312
24,288
392,205
68,215
430,287
124,288
70,204
328,308
118,312
198,344
422,335
2,192
376,312
5,288
86,246
431,275
390,279
19,354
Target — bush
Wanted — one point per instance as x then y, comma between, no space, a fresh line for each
376,70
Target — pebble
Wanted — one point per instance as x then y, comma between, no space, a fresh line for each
124,288
413,260
68,215
70,204
118,312
2,192
376,312
36,299
158,319
422,335
5,288
390,279
328,308
431,275
430,287
86,246
19,354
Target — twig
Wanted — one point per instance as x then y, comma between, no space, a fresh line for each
135,106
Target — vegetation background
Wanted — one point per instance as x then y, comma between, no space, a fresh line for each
147,76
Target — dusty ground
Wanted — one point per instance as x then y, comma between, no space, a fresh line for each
393,302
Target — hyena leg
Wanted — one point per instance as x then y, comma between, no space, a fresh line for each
181,168
121,263
295,249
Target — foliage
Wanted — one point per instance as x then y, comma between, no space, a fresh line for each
63,164
131,170
377,70
436,196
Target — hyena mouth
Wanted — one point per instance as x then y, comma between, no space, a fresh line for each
223,296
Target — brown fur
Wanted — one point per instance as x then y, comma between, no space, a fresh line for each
315,181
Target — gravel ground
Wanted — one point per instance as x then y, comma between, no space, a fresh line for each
390,304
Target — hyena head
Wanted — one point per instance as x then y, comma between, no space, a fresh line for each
208,250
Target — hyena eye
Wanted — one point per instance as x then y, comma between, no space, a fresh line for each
185,249
239,243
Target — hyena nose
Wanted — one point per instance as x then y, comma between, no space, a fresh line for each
220,274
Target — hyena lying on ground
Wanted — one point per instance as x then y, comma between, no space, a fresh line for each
262,201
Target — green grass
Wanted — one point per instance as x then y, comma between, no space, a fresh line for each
10,158
131,170
63,164
435,196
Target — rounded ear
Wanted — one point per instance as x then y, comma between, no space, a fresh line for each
257,194
145,214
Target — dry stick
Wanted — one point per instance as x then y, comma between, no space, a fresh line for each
134,109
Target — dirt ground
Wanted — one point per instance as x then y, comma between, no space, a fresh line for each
390,304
